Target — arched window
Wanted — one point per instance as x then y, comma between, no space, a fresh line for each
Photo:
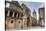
18,15
15,14
11,13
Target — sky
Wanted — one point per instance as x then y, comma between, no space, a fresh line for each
32,6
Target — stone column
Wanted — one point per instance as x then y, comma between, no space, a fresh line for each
20,15
17,15
8,13
13,14
24,21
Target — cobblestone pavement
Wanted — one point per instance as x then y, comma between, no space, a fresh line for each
35,27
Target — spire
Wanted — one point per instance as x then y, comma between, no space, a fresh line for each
34,12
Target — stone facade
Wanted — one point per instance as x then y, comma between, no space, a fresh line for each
17,17
42,16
